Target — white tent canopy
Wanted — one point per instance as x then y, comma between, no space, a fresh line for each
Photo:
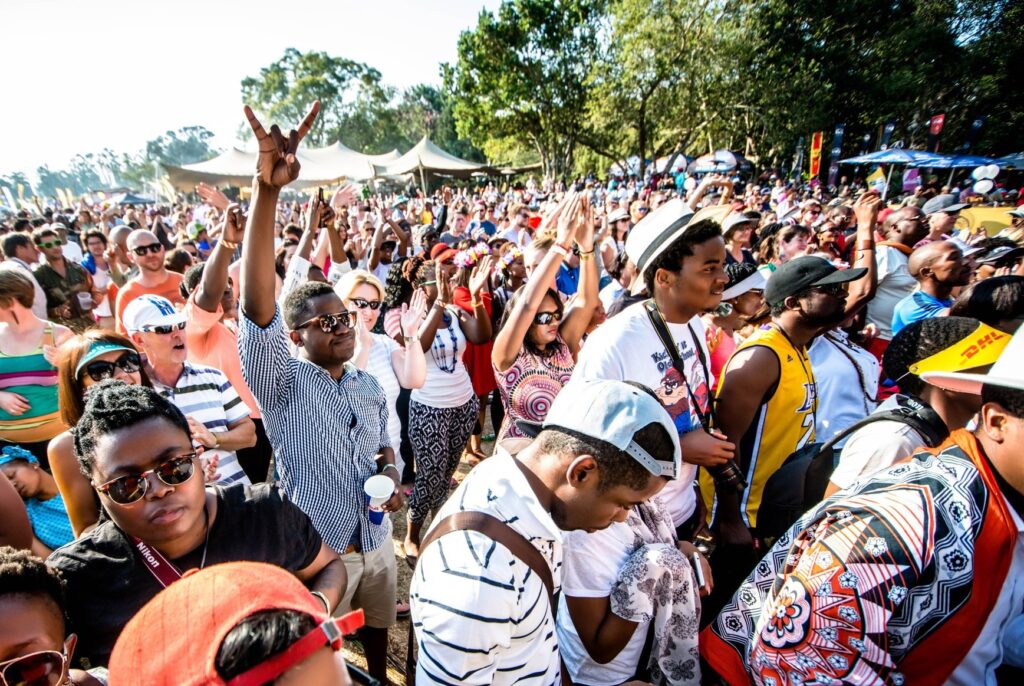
427,157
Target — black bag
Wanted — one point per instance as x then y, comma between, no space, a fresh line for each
800,483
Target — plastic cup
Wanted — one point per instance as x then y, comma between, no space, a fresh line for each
378,490
85,301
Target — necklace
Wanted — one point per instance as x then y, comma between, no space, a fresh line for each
206,537
437,351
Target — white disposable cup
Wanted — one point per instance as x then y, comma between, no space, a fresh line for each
378,490
85,301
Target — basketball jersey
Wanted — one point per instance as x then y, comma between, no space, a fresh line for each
783,423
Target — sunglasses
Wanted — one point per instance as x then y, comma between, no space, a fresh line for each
45,668
363,304
545,318
830,289
129,489
643,210
153,249
50,244
163,329
101,369
329,323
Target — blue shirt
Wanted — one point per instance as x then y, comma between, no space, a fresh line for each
568,279
915,307
50,521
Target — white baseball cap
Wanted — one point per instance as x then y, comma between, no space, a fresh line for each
612,412
150,310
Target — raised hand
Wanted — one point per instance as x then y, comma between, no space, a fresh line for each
277,165
212,196
412,314
344,197
867,207
478,277
313,212
444,287
585,226
234,224
568,220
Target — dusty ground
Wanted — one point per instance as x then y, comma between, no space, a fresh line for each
398,635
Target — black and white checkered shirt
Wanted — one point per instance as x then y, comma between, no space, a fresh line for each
326,434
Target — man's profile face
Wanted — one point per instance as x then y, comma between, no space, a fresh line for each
590,508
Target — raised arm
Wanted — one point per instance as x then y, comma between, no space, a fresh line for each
863,289
276,166
215,274
578,318
477,326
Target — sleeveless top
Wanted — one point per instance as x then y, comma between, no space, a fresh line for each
782,424
530,385
35,379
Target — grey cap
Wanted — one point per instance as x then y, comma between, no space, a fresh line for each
947,202
612,412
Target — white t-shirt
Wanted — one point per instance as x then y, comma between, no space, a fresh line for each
876,446
73,251
628,349
841,386
381,271
448,383
590,570
380,367
101,279
894,284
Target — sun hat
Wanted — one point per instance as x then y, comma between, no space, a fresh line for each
150,310
174,639
754,282
612,412
98,348
653,234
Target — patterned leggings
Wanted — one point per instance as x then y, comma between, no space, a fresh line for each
438,436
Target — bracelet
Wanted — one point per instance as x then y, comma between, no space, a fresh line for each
440,305
230,244
323,599
866,244
476,303
216,440
559,250
389,464
413,338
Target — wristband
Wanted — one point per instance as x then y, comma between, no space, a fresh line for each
216,440
476,303
866,244
323,599
559,250
389,464
230,244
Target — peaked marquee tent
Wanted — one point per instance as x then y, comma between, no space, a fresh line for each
425,157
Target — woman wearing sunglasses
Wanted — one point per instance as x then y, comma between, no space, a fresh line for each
28,378
35,648
395,367
86,360
537,343
137,449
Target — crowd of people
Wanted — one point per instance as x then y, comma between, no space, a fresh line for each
747,431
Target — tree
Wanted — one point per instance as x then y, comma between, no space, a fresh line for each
348,91
523,72
187,145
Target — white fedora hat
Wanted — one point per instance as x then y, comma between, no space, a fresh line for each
1006,372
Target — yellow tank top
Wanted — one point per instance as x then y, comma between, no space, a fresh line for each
783,423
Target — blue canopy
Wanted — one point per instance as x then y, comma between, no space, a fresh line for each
956,161
916,158
1016,160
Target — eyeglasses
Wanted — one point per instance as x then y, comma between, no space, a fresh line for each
153,249
545,318
643,210
45,668
363,304
163,329
329,323
101,369
50,244
126,490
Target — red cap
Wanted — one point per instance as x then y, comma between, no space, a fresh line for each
437,250
175,637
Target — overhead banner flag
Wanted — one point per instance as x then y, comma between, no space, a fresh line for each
972,133
816,153
876,180
798,161
883,142
911,179
934,131
835,153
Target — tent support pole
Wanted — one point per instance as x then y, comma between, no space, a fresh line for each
888,178
423,181
950,181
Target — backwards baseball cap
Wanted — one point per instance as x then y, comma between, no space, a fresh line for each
612,412
174,639
805,272
947,202
985,346
150,310
96,349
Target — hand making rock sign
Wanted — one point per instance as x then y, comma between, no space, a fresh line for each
277,164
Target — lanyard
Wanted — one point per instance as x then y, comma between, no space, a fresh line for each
162,569
661,328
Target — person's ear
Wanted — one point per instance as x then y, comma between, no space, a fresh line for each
69,647
296,338
994,421
136,337
582,471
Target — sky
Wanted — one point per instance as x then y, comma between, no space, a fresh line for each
79,76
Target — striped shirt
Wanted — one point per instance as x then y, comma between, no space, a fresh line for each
481,615
206,395
326,434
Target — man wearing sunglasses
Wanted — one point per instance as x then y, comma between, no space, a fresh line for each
218,416
68,286
326,419
137,450
35,647
147,252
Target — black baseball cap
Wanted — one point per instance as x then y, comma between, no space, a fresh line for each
804,272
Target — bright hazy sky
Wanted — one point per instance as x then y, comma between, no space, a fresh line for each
77,76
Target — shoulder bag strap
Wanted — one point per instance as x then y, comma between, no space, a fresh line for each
660,328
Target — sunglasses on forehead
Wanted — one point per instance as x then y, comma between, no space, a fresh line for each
99,370
128,489
329,323
45,668
152,248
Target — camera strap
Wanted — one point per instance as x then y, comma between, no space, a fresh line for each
707,418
